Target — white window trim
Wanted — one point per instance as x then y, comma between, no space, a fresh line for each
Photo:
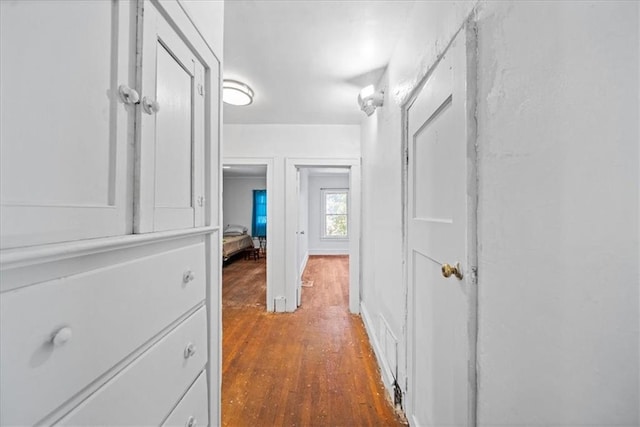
323,213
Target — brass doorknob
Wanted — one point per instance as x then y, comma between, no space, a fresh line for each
448,270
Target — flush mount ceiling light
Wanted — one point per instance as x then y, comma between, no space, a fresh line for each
236,93
369,99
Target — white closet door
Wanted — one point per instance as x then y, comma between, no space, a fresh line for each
171,192
64,128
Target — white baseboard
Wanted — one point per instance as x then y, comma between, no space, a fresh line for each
329,251
385,369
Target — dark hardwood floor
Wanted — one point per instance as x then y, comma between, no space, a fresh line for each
314,367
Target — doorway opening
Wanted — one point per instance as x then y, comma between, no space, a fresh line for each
322,218
246,228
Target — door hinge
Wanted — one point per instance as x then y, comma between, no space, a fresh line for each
474,275
201,200
200,89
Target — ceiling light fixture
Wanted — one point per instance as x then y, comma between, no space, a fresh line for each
369,99
236,93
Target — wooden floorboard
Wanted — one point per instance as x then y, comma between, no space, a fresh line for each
314,367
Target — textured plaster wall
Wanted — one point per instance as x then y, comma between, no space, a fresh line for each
208,17
558,213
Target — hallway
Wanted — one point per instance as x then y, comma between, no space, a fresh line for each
312,367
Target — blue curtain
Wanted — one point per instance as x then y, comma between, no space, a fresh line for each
259,223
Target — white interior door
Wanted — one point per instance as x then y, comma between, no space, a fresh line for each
441,230
299,237
172,129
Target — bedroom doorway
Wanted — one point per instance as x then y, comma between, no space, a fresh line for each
323,214
246,227
322,218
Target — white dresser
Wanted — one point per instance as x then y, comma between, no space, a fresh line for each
109,224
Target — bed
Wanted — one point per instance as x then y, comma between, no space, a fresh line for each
232,245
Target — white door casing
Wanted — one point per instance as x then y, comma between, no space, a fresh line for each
441,229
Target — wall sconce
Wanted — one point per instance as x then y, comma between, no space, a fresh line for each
236,93
369,99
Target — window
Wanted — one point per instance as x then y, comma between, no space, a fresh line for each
334,217
259,223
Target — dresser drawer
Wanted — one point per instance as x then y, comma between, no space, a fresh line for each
95,319
192,411
144,393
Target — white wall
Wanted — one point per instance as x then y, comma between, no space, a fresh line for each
558,209
237,199
204,14
558,147
279,143
317,245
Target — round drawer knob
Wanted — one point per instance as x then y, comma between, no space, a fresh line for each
61,336
191,422
188,276
189,351
128,95
150,106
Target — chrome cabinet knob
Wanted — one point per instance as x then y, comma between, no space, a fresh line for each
188,276
61,336
191,422
128,95
189,351
150,106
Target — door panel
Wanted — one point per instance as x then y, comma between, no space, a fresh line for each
65,130
433,200
173,139
299,235
171,168
440,339
440,222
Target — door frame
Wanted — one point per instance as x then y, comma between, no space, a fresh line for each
291,219
268,162
468,32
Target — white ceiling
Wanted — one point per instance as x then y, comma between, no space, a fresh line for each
307,60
